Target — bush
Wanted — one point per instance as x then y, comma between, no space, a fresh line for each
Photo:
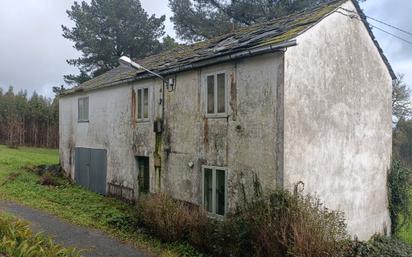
121,220
48,179
380,246
282,224
168,219
274,224
399,198
18,240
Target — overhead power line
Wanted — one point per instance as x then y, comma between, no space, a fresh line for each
389,25
356,16
393,35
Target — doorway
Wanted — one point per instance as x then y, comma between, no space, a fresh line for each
143,174
91,169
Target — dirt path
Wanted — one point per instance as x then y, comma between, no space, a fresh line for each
95,243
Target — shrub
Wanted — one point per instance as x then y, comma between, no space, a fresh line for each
168,219
273,224
398,194
380,246
121,220
282,224
18,240
48,179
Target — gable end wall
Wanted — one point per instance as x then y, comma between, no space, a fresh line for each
337,127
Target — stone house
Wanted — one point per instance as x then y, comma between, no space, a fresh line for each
300,100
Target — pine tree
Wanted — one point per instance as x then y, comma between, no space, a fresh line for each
104,30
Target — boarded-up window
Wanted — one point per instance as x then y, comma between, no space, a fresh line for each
214,190
216,94
83,109
143,104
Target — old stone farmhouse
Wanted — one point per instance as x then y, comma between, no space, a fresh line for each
304,98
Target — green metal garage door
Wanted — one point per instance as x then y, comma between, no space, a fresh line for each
91,168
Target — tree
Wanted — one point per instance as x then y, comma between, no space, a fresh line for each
28,121
401,101
202,19
104,30
402,142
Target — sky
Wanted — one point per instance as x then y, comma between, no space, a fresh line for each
33,52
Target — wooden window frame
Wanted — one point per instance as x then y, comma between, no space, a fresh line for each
215,114
141,103
214,168
80,112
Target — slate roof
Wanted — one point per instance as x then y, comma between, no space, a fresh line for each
265,34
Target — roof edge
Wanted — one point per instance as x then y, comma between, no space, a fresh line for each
375,41
202,63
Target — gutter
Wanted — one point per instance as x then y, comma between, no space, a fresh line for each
230,57
202,63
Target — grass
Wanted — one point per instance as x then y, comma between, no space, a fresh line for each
19,240
406,232
72,202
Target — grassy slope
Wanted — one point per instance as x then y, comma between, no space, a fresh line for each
70,202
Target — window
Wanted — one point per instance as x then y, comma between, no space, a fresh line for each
214,190
143,104
83,109
216,94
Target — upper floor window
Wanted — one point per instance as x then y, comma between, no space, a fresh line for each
214,190
142,104
216,94
83,109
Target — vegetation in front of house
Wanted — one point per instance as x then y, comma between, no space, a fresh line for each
17,240
405,232
269,224
380,246
21,181
399,196
273,224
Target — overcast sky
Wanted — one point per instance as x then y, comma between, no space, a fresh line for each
33,52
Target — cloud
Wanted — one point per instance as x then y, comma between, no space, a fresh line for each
32,50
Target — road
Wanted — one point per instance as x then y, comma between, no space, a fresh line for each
94,243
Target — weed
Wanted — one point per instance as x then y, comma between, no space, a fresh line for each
380,246
18,240
272,224
399,198
11,177
48,179
71,202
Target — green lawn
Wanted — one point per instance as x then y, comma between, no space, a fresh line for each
406,232
72,202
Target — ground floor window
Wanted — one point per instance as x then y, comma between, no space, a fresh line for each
214,190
